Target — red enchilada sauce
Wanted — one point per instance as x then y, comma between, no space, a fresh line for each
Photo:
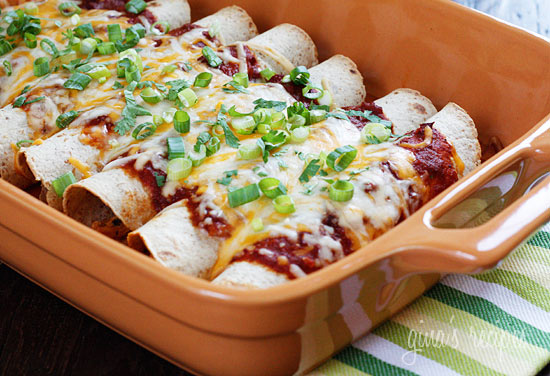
280,252
213,224
360,121
118,5
434,161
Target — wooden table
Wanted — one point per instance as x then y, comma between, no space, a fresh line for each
41,335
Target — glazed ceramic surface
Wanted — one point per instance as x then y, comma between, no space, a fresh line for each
499,74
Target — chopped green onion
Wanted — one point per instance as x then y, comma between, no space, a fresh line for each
62,182
115,32
65,119
75,19
176,147
213,145
278,120
243,195
68,8
87,46
30,42
169,68
299,135
135,6
20,144
310,171
257,224
158,120
262,116
241,79
211,57
178,169
168,115
197,157
7,67
132,73
150,95
375,133
284,204
218,131
84,31
341,158
297,121
300,75
243,125
133,56
160,179
263,128
188,97
182,121
272,187
99,72
341,191
106,48
31,8
144,130
203,79
267,74
312,92
6,46
77,81
248,152
41,66
316,116
165,28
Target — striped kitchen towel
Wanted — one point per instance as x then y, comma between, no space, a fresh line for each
495,323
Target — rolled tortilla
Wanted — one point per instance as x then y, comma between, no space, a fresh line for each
452,121
348,89
234,24
175,12
284,47
169,243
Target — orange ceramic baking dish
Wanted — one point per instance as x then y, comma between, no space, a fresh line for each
498,73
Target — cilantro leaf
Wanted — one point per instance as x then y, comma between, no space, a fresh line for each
263,103
130,112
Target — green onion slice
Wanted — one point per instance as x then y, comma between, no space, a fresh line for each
144,130
169,68
31,8
176,147
75,19
262,116
178,169
241,79
243,125
67,118
263,128
341,158
165,27
316,116
150,95
182,121
100,71
49,47
20,144
135,6
299,135
30,42
375,133
197,157
257,224
77,81
7,67
312,92
341,191
284,204
278,120
267,74
248,152
132,73
213,145
115,32
297,121
211,57
106,48
87,46
62,182
203,79
68,8
272,187
41,66
243,195
188,97
300,75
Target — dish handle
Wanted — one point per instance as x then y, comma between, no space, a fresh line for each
427,247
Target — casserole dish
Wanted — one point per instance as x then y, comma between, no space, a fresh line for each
440,48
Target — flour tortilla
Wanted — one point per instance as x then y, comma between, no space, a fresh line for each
234,24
